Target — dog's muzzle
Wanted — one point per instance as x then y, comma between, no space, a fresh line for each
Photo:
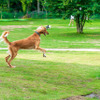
46,34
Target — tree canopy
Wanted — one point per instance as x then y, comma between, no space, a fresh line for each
80,9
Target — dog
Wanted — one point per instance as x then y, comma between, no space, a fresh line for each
31,42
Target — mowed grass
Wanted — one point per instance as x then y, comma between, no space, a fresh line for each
59,75
61,35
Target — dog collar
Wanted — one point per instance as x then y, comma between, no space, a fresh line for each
37,33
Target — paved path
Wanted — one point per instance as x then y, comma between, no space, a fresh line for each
53,49
73,49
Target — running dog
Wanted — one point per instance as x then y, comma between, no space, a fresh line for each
31,42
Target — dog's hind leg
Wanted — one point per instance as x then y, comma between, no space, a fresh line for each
6,58
9,55
12,57
9,63
13,53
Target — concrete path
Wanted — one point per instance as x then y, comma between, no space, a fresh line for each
53,49
3,48
73,49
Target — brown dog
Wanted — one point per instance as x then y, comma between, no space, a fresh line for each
32,42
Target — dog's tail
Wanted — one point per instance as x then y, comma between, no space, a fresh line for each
4,37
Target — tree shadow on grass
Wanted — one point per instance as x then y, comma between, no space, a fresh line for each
53,69
53,76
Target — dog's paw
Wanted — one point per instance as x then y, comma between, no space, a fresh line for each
44,55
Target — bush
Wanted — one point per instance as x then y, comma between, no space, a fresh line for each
8,15
36,15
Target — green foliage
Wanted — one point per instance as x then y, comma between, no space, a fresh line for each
65,2
81,10
13,15
25,4
73,7
52,9
3,6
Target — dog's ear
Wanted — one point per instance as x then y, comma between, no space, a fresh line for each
48,26
40,27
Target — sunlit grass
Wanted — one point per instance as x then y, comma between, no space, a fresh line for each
60,74
61,35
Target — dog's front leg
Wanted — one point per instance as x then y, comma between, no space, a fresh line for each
43,50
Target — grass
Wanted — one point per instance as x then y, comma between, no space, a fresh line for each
60,75
61,35
7,20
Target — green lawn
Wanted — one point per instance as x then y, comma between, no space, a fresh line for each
59,75
61,35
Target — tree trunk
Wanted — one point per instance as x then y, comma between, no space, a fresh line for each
80,24
38,6
1,14
79,29
8,4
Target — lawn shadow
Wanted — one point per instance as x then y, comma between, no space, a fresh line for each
53,76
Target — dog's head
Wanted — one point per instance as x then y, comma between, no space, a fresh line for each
42,30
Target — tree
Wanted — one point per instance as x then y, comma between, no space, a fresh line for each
38,6
81,9
8,2
25,5
3,7
28,4
45,5
65,2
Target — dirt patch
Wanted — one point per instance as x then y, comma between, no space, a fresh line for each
92,28
63,27
11,27
92,95
83,97
75,98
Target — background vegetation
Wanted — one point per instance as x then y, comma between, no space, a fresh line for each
61,74
81,10
46,8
